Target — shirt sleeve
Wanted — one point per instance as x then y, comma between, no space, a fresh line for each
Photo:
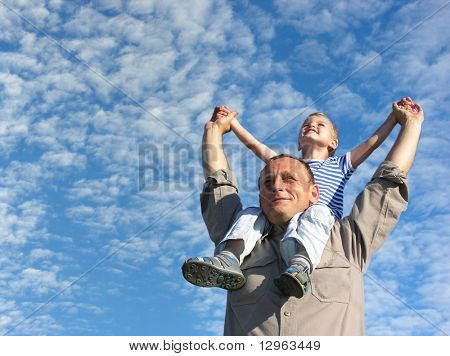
345,164
220,203
374,215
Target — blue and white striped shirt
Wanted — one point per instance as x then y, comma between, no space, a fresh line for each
331,176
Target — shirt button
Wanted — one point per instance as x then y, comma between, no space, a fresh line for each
287,313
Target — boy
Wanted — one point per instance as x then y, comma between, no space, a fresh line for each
307,233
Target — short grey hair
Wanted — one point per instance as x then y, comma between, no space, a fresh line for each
309,172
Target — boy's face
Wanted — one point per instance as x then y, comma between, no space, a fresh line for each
318,130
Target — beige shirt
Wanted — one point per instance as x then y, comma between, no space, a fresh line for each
335,305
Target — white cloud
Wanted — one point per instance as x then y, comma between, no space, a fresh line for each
344,45
64,159
65,129
411,259
386,315
100,191
80,133
369,62
141,7
86,22
38,325
311,56
40,282
344,103
14,126
19,179
262,22
104,218
55,4
21,223
8,22
40,253
92,50
280,95
135,250
322,17
17,62
108,4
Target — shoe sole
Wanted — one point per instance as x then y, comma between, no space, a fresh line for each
289,286
203,274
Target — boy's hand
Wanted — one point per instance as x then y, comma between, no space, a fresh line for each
222,118
406,110
407,103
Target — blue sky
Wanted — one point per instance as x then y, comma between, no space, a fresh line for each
102,110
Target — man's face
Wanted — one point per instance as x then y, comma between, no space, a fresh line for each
285,190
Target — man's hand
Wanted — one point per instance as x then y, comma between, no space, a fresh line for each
406,110
222,117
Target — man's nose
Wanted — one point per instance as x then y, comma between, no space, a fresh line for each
278,184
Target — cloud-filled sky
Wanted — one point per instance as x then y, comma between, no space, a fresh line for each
102,107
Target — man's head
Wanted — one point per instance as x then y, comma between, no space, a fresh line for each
286,187
318,130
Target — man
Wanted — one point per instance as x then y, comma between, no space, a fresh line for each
335,305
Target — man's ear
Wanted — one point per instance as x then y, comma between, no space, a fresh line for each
314,194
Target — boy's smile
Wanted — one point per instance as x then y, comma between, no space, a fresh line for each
318,125
307,130
317,131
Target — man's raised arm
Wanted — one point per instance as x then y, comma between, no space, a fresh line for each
378,207
410,117
213,156
219,199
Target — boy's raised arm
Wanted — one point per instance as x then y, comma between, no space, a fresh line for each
361,152
258,148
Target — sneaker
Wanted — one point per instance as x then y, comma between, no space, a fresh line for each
218,271
295,281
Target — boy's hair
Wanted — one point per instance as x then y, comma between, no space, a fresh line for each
333,126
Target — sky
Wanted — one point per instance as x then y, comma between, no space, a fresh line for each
102,108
